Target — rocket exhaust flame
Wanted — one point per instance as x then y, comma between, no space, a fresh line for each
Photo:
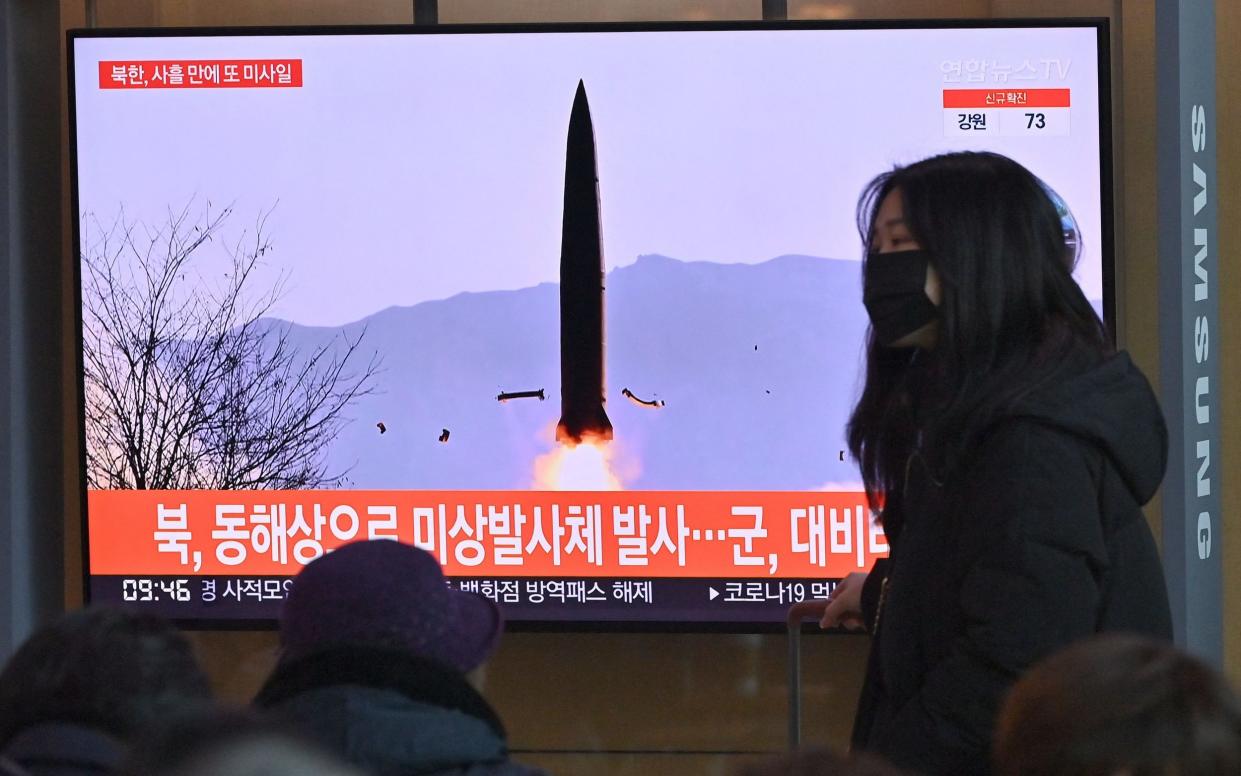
588,465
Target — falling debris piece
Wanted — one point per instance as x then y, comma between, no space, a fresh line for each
628,394
756,347
842,455
382,428
444,435
506,395
768,390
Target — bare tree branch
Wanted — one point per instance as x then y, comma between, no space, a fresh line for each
188,383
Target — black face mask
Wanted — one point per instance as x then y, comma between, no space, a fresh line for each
894,292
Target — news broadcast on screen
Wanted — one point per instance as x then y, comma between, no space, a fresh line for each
576,309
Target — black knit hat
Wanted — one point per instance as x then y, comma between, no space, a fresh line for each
384,593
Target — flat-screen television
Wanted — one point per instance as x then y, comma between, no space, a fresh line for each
575,308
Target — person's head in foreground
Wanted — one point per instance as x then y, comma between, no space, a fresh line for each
375,649
822,762
968,283
230,742
1120,706
81,689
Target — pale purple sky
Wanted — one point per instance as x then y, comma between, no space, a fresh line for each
415,167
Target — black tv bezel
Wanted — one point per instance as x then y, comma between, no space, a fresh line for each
1101,25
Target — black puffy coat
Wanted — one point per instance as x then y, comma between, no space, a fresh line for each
63,749
391,713
1037,540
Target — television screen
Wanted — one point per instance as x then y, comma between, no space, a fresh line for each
576,309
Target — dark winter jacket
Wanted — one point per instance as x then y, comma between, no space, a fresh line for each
1036,541
391,713
64,749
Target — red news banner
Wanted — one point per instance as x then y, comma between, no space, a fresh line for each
1006,98
755,535
200,74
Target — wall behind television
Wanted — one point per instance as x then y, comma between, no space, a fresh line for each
652,704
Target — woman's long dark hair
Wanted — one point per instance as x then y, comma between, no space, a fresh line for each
1009,316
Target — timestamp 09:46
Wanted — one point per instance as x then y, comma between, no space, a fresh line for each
142,590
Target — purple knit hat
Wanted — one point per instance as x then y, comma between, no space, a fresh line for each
387,594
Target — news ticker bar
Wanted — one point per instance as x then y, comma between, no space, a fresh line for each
563,599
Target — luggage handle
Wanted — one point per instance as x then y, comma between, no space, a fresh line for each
798,613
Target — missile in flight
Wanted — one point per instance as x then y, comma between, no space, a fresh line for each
582,391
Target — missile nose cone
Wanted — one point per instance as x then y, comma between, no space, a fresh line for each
579,117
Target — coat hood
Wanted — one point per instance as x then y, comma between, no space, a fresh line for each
1110,404
389,712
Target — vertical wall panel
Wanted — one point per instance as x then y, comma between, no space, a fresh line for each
1228,137
31,523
